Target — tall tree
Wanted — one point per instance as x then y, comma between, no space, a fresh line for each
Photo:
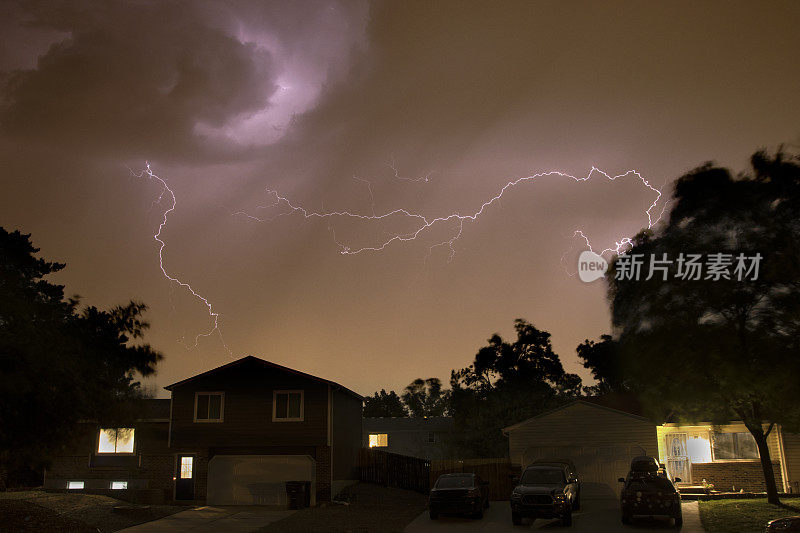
506,383
425,397
383,404
603,359
59,364
725,345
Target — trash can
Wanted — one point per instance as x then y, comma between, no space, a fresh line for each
298,494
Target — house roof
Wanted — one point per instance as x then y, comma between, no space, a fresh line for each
593,402
431,423
266,364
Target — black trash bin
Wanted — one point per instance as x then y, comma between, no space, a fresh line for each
298,493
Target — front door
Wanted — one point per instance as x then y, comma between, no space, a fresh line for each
677,457
184,478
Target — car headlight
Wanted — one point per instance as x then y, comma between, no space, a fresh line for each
560,497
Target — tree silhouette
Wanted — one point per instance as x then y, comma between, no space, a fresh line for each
604,361
425,397
720,349
59,365
383,404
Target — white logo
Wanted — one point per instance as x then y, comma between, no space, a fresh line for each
591,266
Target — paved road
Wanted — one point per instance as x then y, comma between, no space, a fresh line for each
239,519
595,516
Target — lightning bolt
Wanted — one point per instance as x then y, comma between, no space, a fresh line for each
425,223
167,191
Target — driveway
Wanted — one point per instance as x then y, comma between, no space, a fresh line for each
595,516
233,519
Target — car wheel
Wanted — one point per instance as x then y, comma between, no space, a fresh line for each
433,514
567,518
626,519
516,519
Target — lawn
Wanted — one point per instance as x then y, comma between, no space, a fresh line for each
371,509
70,512
743,516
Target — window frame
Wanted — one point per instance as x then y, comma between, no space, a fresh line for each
736,448
275,405
97,443
378,435
221,418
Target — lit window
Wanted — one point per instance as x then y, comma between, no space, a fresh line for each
186,467
115,440
119,485
287,405
378,440
209,406
699,449
735,446
75,485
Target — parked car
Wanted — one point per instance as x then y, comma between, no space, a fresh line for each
790,523
648,492
544,491
570,472
459,494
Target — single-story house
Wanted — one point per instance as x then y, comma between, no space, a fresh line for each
231,436
601,440
421,437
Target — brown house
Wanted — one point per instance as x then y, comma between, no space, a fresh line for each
233,436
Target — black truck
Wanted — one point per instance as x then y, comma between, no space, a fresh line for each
459,494
545,491
649,492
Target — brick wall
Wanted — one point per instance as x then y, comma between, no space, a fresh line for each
735,475
323,474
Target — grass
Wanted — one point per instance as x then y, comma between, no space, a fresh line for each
372,509
742,516
36,510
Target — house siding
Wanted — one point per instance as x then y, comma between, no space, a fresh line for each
584,425
791,451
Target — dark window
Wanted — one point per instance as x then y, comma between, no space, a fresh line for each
531,476
431,437
734,446
208,407
288,405
455,482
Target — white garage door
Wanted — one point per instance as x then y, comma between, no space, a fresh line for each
256,479
599,467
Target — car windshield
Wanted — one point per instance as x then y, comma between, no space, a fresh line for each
533,476
651,483
644,466
455,482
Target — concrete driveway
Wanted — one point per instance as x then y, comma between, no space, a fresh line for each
233,519
595,516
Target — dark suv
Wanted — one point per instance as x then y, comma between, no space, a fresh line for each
544,491
648,492
459,493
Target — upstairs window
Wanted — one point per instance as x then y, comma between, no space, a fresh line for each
287,406
209,406
735,446
115,440
378,440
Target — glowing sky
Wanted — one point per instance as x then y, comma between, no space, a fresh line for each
227,99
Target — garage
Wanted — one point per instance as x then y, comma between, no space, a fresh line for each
600,440
256,479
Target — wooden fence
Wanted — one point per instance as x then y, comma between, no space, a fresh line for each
394,470
498,472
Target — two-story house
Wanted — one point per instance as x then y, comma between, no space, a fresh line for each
232,436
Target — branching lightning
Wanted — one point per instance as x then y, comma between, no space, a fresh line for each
166,190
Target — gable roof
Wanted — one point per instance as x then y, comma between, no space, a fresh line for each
269,365
581,401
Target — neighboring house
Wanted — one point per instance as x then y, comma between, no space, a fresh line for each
128,463
418,437
233,436
601,440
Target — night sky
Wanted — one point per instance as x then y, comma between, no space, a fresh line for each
314,100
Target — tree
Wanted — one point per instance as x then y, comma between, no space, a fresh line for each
425,397
603,360
383,404
59,364
720,349
507,382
